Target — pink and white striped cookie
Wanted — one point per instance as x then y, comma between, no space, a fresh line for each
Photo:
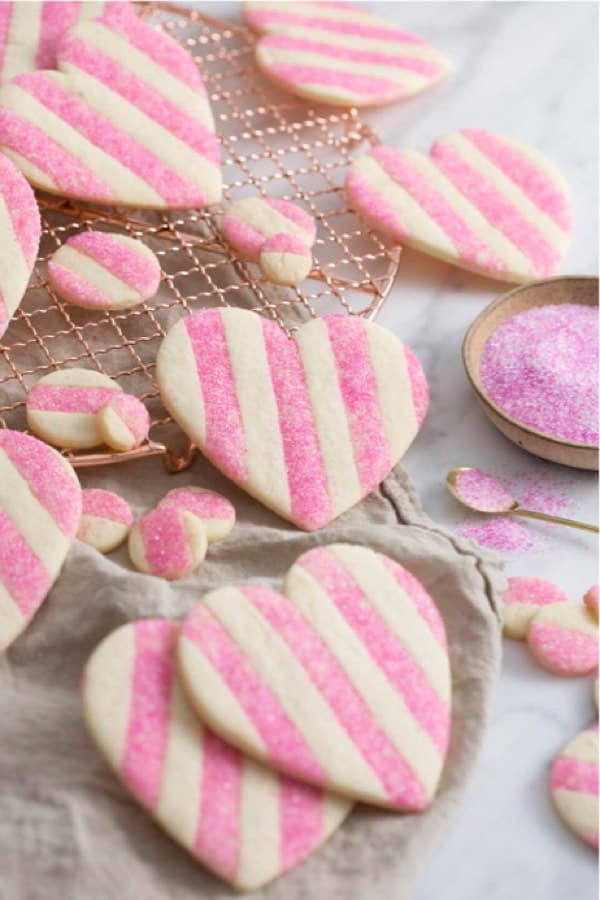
106,519
309,425
563,638
126,120
340,54
285,259
123,422
62,407
31,32
574,785
215,511
248,223
478,200
591,600
168,542
244,823
354,692
20,231
40,506
522,600
97,270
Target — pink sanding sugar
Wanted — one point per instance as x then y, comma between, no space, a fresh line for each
481,491
541,367
509,534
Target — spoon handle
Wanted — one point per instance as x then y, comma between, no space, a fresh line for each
530,514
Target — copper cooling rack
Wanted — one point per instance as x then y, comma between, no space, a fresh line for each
272,145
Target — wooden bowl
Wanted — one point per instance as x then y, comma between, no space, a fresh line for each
568,289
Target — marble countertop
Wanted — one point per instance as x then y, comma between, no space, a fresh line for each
527,70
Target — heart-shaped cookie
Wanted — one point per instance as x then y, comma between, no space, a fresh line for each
343,680
125,121
339,53
308,426
40,507
246,824
20,231
478,200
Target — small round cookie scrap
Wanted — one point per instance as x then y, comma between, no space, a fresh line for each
590,598
215,511
123,422
20,231
340,54
574,785
106,519
248,223
97,270
62,407
563,638
168,542
522,600
285,259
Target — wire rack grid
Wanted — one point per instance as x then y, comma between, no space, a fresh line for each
272,145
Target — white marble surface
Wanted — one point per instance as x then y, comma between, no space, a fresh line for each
528,70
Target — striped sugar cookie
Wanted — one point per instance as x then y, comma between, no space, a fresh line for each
215,511
126,119
522,600
574,785
97,270
244,823
248,223
340,54
285,259
310,425
40,506
591,600
20,230
478,200
106,519
123,422
563,638
168,542
62,407
31,32
354,692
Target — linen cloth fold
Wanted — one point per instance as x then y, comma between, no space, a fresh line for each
69,830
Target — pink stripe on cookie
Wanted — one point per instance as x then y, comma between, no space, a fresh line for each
418,384
56,18
121,259
499,211
64,170
22,208
398,781
359,393
68,398
124,422
165,542
225,439
148,727
525,173
423,602
470,247
21,573
563,638
401,670
300,820
305,75
571,774
218,837
215,511
106,505
270,20
574,785
53,483
280,737
307,480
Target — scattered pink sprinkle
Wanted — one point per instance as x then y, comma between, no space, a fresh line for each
509,534
481,491
540,367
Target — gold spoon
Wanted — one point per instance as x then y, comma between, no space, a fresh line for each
500,501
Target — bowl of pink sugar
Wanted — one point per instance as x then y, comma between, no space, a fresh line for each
532,359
